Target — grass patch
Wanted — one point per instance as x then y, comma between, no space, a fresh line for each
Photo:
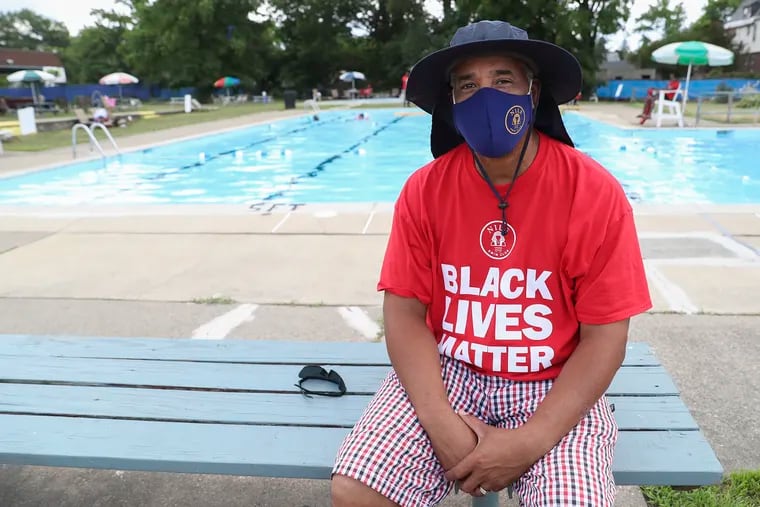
739,489
214,300
62,138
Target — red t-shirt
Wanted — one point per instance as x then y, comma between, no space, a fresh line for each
673,84
511,306
404,79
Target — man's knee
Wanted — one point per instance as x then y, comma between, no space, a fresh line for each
350,492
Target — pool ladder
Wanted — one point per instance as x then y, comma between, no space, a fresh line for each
93,140
311,103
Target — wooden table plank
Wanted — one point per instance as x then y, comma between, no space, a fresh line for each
637,380
178,374
632,413
665,457
293,352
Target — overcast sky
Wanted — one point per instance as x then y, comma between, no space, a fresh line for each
76,13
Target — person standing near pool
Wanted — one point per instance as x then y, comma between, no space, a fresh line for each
511,273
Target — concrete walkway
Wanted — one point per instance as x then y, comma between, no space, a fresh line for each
310,274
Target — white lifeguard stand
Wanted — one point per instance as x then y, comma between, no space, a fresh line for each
668,108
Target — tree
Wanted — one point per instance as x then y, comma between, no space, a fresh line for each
95,51
587,23
663,18
320,38
99,49
25,29
179,43
707,28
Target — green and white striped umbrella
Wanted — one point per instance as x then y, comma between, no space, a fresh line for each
692,52
30,76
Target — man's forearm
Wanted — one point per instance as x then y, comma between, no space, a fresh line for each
584,379
415,358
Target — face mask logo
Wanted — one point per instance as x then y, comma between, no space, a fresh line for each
515,120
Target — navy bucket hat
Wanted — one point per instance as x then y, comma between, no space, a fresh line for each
556,68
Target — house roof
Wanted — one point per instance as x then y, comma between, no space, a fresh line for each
747,9
15,59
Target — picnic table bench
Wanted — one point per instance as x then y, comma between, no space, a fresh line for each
232,407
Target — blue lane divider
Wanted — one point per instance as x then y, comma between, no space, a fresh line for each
232,151
322,165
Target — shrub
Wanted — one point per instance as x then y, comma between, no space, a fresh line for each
749,101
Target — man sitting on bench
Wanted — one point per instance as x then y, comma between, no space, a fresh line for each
511,272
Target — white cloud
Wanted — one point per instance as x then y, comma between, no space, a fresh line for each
75,14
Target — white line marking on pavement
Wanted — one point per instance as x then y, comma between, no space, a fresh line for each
726,242
359,320
369,221
221,326
675,296
279,224
734,246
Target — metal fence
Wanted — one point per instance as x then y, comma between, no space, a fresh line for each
734,106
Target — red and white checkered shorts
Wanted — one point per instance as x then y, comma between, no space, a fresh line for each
389,451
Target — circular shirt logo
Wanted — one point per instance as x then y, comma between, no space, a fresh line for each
495,245
515,119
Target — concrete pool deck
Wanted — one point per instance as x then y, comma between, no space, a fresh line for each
310,274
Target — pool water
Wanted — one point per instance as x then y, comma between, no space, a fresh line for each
342,159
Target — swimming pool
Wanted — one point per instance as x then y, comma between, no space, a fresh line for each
341,159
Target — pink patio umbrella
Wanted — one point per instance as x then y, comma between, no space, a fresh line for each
118,78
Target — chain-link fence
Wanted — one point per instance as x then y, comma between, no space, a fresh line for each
732,106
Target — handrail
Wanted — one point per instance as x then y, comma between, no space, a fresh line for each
89,134
108,134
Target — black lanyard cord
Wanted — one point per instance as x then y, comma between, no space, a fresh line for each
503,202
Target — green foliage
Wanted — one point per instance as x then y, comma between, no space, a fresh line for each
749,101
707,28
740,489
25,29
178,43
96,51
276,44
662,17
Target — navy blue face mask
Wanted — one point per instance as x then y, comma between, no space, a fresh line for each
493,122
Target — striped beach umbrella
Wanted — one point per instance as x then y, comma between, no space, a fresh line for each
31,77
226,82
118,78
692,53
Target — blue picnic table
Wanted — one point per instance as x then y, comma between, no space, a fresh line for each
232,407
